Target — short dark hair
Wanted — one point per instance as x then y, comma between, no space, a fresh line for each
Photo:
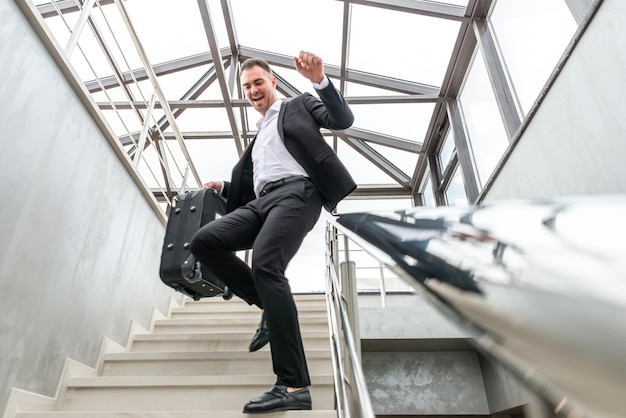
256,62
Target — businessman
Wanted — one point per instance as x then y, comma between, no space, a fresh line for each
274,198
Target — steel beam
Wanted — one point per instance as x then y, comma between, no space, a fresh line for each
65,6
421,7
219,71
165,68
374,80
155,82
508,104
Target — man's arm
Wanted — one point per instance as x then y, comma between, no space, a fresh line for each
335,113
338,114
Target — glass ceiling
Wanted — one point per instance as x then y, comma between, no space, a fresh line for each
431,121
162,74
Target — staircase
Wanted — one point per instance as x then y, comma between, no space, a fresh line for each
195,363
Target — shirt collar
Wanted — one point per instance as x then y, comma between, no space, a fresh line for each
274,108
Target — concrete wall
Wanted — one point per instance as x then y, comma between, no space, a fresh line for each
425,383
574,144
422,320
80,242
416,361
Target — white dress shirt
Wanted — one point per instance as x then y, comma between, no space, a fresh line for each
270,159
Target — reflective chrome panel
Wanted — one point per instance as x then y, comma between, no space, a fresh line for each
541,283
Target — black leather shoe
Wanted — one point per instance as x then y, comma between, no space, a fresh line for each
278,399
262,336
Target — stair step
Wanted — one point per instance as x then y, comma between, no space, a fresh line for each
228,323
252,316
300,299
196,364
215,341
180,393
173,414
237,311
204,363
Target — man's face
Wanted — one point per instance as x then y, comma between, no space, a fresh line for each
259,87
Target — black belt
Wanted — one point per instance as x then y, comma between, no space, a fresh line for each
273,185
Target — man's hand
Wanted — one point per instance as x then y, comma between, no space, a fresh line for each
216,185
310,66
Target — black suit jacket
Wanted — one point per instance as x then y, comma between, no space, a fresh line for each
299,123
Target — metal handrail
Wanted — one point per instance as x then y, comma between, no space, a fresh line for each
349,405
547,271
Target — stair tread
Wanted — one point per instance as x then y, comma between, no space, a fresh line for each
298,297
182,381
302,310
210,355
219,319
222,335
171,414
234,324
191,393
227,318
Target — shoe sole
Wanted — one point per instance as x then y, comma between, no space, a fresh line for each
282,408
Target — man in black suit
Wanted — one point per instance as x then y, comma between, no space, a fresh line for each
274,199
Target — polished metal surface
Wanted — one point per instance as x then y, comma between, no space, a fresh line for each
351,393
541,284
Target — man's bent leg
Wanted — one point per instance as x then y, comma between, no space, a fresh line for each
214,246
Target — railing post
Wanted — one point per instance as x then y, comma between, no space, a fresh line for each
383,289
335,248
350,294
351,393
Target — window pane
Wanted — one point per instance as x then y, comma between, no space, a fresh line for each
428,196
408,47
406,121
283,31
446,150
455,193
487,136
532,35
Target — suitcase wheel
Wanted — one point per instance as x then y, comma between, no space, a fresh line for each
227,294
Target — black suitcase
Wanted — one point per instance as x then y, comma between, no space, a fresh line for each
179,268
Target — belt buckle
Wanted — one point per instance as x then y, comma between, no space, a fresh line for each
268,188
278,183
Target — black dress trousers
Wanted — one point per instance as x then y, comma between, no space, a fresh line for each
274,226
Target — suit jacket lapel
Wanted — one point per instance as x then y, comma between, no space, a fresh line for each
281,115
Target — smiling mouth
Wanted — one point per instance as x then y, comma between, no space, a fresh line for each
257,100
